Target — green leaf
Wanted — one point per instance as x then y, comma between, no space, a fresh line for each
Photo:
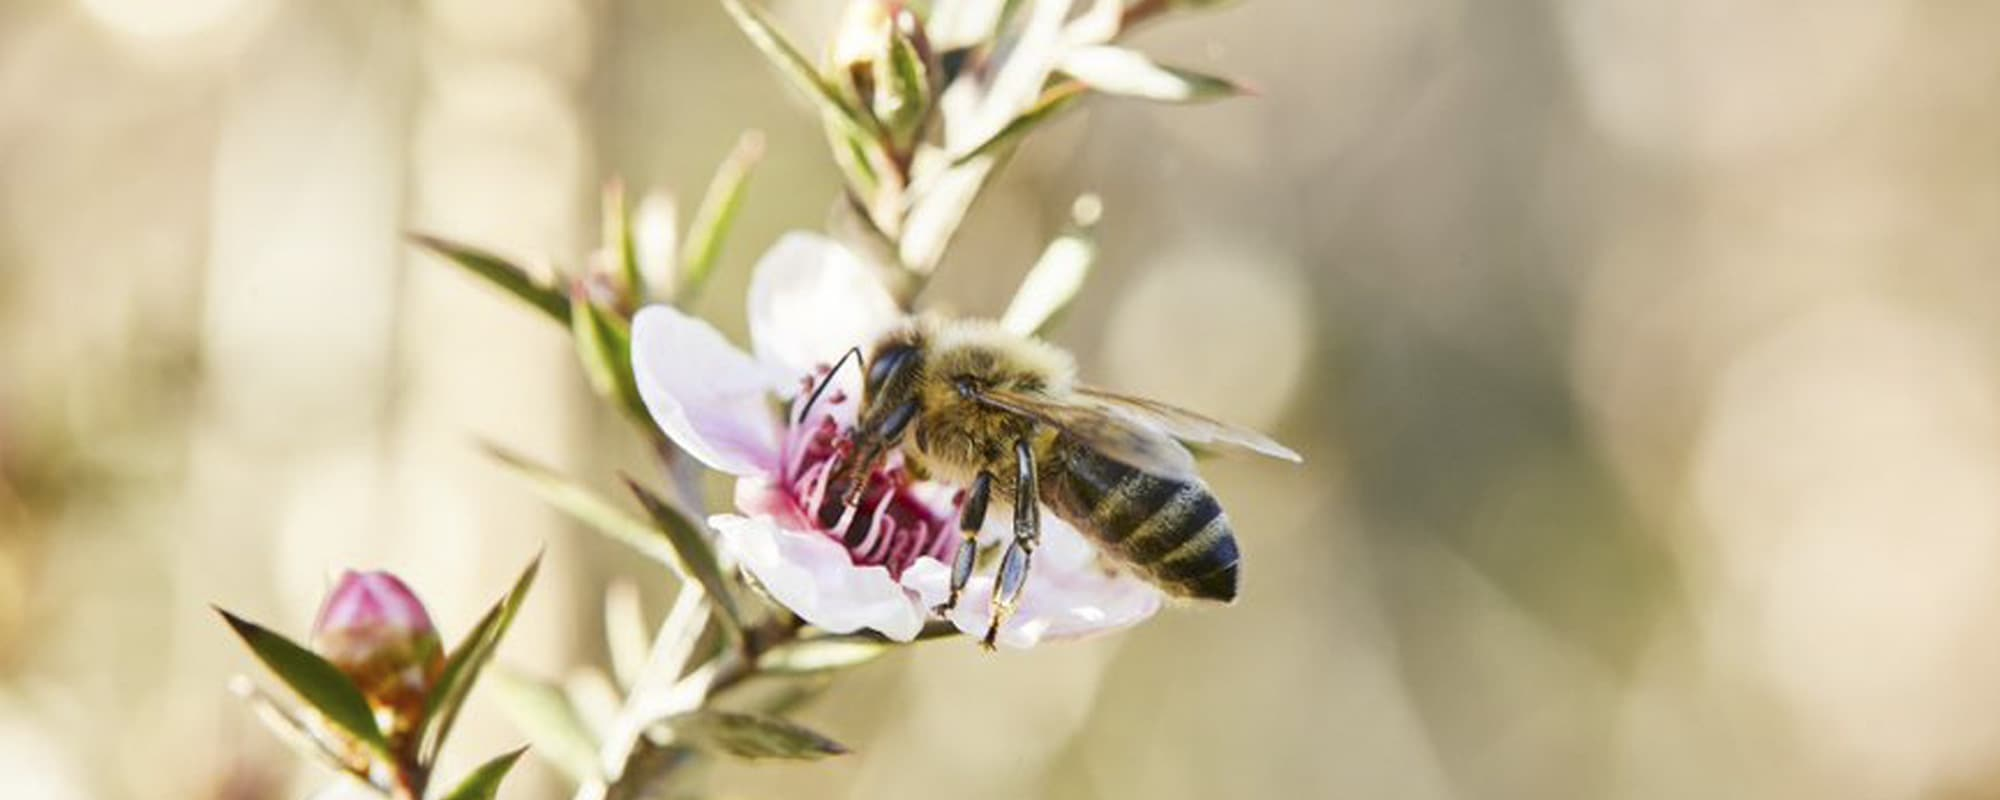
500,272
1052,102
619,242
544,712
1128,73
794,66
587,507
462,668
806,656
484,782
604,345
752,736
1058,275
314,679
716,214
694,557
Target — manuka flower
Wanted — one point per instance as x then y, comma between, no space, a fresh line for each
885,565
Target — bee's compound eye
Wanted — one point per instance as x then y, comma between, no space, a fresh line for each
888,361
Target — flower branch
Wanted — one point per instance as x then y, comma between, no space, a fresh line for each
920,104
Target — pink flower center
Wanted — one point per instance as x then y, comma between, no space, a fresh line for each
892,526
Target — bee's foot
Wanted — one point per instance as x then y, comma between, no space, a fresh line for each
992,633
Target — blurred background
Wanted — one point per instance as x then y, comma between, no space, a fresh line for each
1643,356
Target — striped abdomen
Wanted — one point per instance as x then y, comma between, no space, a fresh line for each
1172,532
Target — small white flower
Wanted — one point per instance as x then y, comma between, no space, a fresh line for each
810,301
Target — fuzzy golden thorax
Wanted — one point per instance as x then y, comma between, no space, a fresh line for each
936,367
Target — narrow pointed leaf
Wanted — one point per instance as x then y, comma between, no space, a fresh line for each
589,508
604,346
1052,102
1128,73
551,722
717,214
794,66
484,782
751,736
502,273
1056,277
316,681
462,668
695,556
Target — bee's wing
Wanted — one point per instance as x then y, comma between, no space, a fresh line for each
1188,426
1112,432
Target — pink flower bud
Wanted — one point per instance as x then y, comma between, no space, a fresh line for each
375,630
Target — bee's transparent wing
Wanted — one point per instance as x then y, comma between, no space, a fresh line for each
1189,426
1112,432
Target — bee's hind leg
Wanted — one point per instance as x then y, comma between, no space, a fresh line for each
1027,533
971,517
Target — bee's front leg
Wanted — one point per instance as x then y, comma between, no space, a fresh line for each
971,517
1027,533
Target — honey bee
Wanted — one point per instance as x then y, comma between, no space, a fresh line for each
1002,415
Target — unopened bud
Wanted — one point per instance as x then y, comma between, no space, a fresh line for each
903,79
881,61
375,631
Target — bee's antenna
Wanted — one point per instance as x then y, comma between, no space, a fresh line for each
853,353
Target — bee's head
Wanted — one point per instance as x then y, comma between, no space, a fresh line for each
889,396
892,368
889,403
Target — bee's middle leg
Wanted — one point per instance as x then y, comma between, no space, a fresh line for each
1027,533
971,517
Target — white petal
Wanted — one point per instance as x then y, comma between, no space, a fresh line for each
813,576
811,299
1067,595
709,397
